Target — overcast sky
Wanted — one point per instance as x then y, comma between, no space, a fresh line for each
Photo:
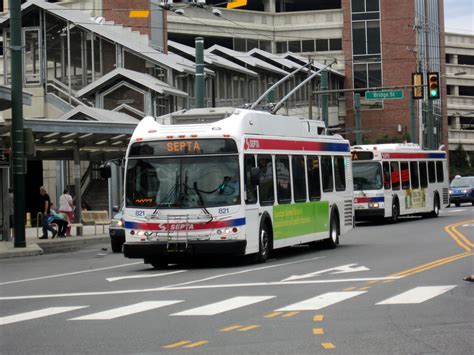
459,16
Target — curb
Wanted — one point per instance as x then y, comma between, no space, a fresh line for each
50,246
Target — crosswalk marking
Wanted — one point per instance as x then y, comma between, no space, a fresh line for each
418,295
321,301
37,314
223,306
125,311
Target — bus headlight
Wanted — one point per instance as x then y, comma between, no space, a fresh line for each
374,205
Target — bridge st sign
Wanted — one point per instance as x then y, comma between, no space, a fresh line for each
382,95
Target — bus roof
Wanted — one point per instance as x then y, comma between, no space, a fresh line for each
219,122
394,151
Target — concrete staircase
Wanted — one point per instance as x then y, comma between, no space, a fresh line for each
96,195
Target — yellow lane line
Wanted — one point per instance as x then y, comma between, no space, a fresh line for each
250,327
439,264
139,14
387,281
175,345
228,329
349,289
274,314
364,288
403,273
372,282
456,238
459,234
290,314
318,331
198,343
328,345
318,318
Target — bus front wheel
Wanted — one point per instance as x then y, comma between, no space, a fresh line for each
264,241
333,240
395,212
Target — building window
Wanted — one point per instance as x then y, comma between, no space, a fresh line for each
282,47
294,46
308,45
322,45
335,44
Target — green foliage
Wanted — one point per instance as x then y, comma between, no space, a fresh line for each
388,139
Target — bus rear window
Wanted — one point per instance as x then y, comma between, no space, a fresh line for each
439,171
395,175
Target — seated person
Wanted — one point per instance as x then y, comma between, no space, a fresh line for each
61,219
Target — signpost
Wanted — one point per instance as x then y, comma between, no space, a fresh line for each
382,95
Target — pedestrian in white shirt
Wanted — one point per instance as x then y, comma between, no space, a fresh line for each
66,206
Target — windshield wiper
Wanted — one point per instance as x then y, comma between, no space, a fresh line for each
197,193
167,201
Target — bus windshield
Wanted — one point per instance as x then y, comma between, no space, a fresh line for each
367,176
189,182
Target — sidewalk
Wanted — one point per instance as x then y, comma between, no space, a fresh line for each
35,246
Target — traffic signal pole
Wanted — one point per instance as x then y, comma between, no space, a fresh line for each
430,123
358,125
18,156
412,119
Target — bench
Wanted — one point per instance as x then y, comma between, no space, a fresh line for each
96,218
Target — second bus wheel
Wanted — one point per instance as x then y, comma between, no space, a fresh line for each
160,262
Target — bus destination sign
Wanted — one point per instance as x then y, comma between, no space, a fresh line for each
183,147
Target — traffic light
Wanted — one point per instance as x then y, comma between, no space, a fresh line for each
417,83
433,86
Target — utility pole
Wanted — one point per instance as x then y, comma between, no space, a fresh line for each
18,156
325,97
358,125
412,118
430,125
310,94
200,84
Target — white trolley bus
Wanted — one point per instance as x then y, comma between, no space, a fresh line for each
244,184
391,180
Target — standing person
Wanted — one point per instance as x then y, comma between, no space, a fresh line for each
45,208
12,213
66,206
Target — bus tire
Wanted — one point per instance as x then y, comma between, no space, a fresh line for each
264,243
435,212
116,246
160,262
457,204
395,211
333,240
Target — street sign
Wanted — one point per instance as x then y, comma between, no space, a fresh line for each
382,95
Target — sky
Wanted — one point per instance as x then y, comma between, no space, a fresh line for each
459,16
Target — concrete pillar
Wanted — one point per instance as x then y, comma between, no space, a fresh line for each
456,90
457,122
455,59
269,6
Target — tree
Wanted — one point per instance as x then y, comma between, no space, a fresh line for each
459,162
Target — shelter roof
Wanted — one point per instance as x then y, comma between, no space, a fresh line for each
140,78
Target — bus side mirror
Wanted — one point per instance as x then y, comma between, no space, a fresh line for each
255,176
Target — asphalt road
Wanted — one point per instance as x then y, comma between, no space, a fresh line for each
388,289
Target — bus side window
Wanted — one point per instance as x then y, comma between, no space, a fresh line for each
415,183
439,171
251,190
423,175
395,175
326,174
282,165
314,184
386,175
405,175
340,173
265,188
431,172
299,178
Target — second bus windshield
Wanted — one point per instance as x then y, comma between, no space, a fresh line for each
367,176
192,182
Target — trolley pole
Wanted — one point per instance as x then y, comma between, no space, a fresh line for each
17,134
200,84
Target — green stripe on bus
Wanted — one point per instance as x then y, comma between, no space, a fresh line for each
300,219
